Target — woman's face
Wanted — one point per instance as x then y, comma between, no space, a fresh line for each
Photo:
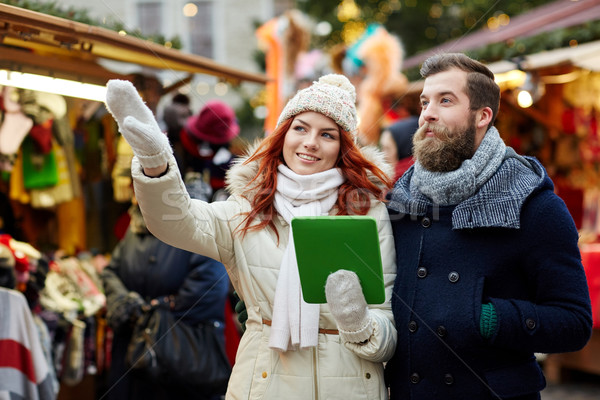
312,143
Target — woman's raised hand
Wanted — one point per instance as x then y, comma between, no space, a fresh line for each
137,124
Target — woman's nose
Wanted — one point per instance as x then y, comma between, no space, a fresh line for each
310,142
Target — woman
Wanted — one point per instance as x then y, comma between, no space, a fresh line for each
309,165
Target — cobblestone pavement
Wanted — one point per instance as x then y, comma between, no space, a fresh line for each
572,391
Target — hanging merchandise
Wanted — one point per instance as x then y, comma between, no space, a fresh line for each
31,378
121,173
380,81
39,170
72,289
590,226
41,134
73,361
62,191
283,40
14,127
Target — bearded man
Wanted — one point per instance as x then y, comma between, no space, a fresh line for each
489,270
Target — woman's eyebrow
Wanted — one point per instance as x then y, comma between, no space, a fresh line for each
323,129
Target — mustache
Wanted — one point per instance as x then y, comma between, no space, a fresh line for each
440,132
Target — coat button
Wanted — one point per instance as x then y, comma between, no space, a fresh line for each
412,326
414,378
530,323
453,276
152,259
264,374
426,222
441,331
422,272
448,379
368,375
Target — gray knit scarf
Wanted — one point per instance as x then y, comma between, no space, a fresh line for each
449,188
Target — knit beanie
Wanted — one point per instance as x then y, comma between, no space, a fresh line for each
333,96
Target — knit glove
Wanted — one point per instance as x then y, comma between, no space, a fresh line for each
137,124
348,306
488,321
241,311
124,309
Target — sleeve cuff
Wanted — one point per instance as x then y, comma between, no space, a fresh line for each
359,336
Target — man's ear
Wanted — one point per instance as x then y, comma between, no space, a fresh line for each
484,117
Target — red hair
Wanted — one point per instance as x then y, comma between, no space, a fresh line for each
353,195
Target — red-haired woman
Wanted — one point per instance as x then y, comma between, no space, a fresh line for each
310,165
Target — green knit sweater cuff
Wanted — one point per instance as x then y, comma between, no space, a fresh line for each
488,323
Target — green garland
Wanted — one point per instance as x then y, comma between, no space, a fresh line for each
81,15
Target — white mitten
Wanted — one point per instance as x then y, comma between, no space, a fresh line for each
137,124
348,306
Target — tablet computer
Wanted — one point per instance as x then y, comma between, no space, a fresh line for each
326,244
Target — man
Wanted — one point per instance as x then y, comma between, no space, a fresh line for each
489,271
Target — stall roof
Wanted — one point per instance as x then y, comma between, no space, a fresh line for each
585,56
44,44
549,17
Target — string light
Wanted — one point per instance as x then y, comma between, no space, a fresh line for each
48,84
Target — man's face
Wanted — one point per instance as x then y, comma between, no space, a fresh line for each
447,132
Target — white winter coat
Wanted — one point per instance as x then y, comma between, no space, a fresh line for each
332,370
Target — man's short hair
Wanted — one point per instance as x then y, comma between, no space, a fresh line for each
481,89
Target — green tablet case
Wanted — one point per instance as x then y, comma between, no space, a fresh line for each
326,244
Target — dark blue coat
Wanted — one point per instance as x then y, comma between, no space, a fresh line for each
513,244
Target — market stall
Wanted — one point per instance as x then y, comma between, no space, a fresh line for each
36,42
58,152
55,70
550,109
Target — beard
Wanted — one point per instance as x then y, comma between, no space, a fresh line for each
447,149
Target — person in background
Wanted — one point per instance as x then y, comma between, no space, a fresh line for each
489,270
206,138
396,139
146,271
396,144
174,117
308,166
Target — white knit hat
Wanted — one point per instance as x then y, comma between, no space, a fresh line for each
333,96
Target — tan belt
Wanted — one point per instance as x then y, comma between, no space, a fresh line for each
321,330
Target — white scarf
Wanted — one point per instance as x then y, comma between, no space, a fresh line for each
295,322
